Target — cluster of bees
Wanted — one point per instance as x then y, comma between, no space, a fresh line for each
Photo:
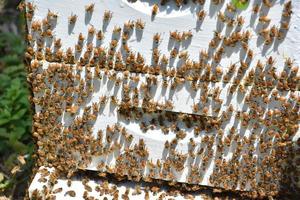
258,159
109,187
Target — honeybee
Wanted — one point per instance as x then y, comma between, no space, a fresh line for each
128,25
57,190
255,9
51,15
90,8
267,3
230,8
183,55
72,19
174,35
71,193
107,15
81,38
155,9
100,35
264,19
201,15
195,107
186,35
36,26
140,24
91,30
222,17
174,53
240,21
156,38
287,9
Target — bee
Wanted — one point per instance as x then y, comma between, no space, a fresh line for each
267,3
183,55
72,19
174,53
103,100
71,193
100,35
195,108
174,35
219,70
48,33
201,15
91,30
57,43
90,8
240,21
222,17
156,38
81,38
287,9
51,15
255,9
186,35
36,26
264,19
129,25
155,9
139,24
57,190
289,62
230,8
205,110
107,15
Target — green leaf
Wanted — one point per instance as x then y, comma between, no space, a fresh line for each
4,121
19,114
17,133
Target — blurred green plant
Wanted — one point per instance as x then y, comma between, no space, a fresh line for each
16,145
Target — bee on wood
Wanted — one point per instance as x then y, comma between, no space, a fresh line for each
287,9
230,8
72,19
36,26
183,55
107,15
100,35
71,193
81,38
240,21
186,35
139,24
255,9
91,30
156,38
155,9
175,35
264,19
267,3
174,53
222,17
195,107
90,8
51,15
201,15
57,190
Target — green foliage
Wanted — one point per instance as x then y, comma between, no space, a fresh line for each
15,115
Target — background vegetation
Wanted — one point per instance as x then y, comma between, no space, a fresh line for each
16,146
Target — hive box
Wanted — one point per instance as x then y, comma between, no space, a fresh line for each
200,95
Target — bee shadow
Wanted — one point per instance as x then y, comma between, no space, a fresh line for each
71,28
139,34
87,17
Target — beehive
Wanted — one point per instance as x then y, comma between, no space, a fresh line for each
198,93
